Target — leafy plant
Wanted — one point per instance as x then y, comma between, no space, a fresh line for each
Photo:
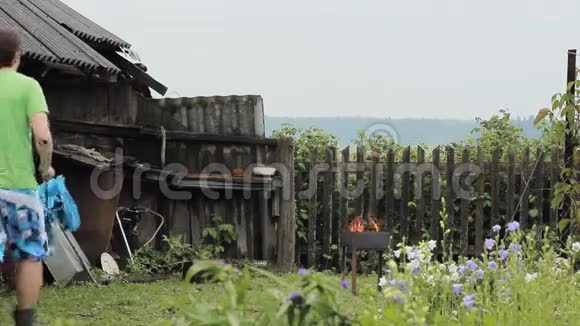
170,260
565,116
216,237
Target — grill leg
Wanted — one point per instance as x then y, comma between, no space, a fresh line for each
354,269
380,271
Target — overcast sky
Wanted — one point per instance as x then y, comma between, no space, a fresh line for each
440,58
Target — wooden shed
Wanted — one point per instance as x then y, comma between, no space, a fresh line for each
100,100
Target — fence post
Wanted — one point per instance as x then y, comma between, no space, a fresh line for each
312,210
495,186
539,185
287,221
419,193
464,224
525,190
327,208
298,187
342,220
373,209
480,191
390,191
554,179
360,175
511,184
405,195
435,195
449,201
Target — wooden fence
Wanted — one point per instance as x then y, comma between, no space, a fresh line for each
411,198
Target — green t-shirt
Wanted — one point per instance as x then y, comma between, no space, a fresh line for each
21,97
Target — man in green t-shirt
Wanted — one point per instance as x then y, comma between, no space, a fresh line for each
23,113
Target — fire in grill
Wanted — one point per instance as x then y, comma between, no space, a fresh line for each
367,237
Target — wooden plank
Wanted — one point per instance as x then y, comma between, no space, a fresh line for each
267,227
525,190
390,191
405,190
298,188
343,202
480,193
420,193
373,193
287,221
464,210
249,212
539,189
312,211
360,201
554,179
495,185
327,195
450,197
511,184
436,196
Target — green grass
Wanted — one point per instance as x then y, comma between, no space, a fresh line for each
139,304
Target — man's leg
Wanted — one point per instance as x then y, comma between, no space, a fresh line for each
28,283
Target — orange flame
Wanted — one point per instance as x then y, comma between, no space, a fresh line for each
374,224
358,225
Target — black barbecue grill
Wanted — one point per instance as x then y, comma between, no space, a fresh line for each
365,241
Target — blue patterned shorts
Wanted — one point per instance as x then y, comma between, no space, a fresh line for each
22,229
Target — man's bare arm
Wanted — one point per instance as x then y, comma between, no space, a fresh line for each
43,142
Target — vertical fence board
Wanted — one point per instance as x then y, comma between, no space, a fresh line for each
419,193
373,208
449,201
312,210
298,187
539,189
464,223
511,184
405,195
327,211
435,195
360,176
342,220
495,184
390,191
525,190
554,179
480,192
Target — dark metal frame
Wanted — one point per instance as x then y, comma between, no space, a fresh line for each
365,241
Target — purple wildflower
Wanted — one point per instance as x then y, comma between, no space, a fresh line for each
491,265
393,282
479,274
468,300
416,271
513,226
461,269
344,284
398,298
515,247
472,265
496,228
303,271
457,288
295,297
503,254
489,244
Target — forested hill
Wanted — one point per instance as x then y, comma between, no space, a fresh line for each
410,131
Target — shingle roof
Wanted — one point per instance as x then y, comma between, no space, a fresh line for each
43,38
80,25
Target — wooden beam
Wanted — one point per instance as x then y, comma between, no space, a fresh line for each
138,74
